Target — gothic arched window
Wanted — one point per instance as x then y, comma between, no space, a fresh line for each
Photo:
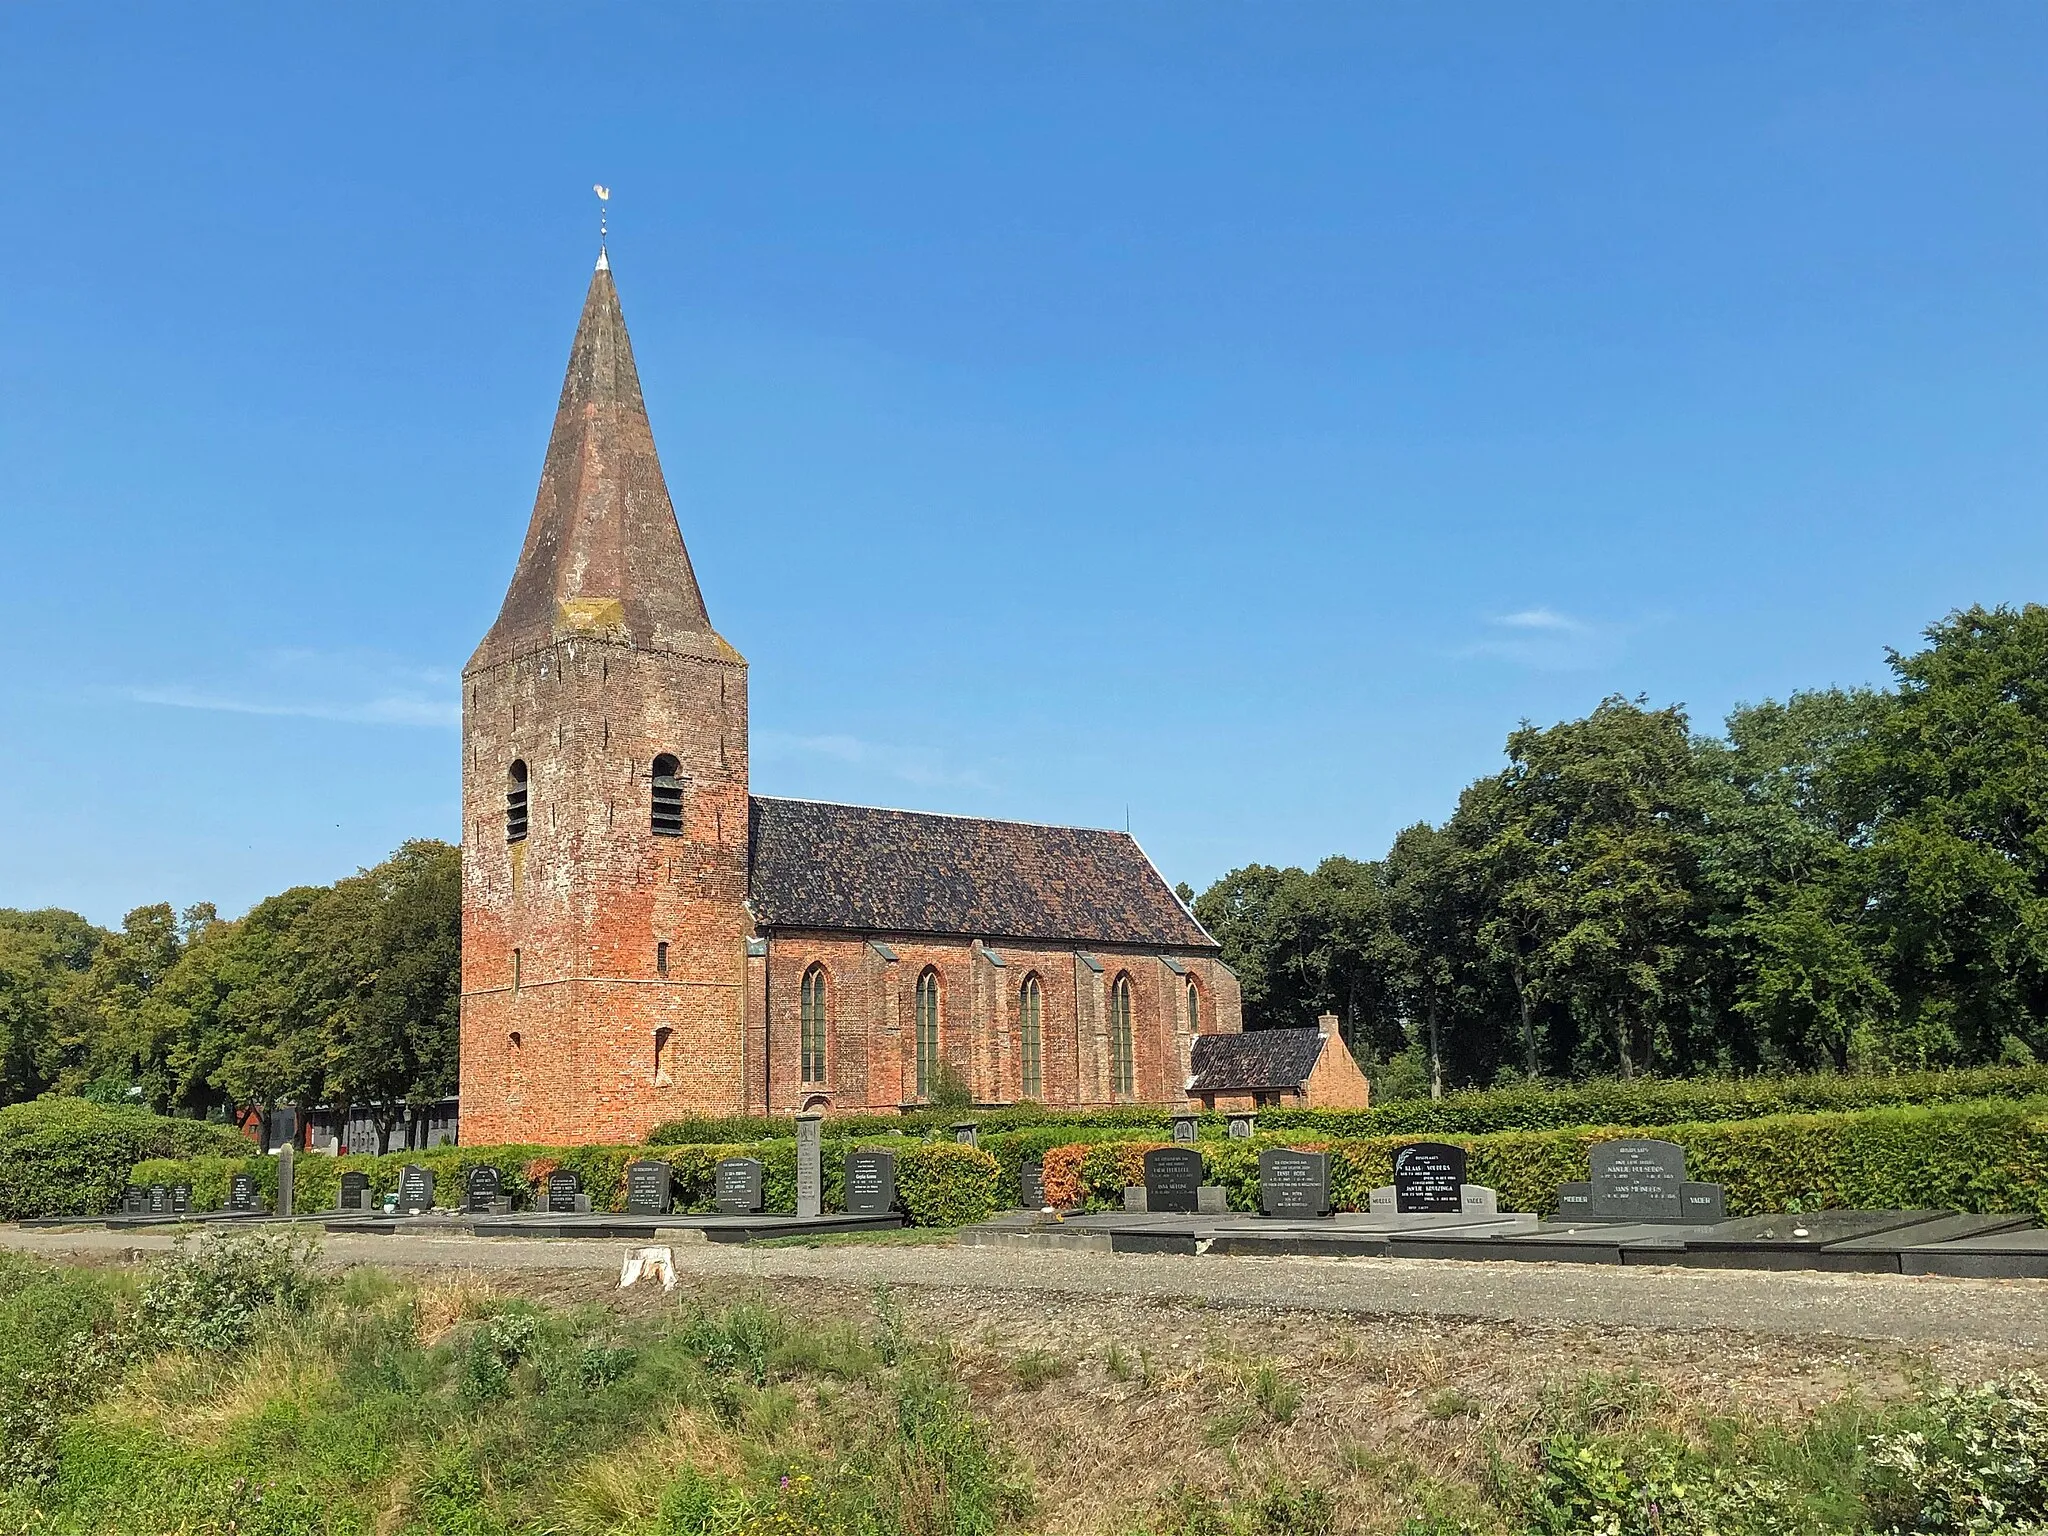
1031,1027
1194,1010
927,1031
667,817
1122,1069
515,802
811,1035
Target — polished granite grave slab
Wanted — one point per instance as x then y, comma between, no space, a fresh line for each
642,1226
1803,1240
2015,1255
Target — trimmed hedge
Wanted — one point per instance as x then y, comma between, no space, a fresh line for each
69,1157
1651,1102
1642,1102
1983,1157
937,1183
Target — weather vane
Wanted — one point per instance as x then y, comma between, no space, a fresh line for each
604,197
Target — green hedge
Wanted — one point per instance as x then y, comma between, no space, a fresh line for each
1642,1102
68,1157
1990,1156
1649,1101
937,1183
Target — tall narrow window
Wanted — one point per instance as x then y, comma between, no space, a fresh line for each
1194,1010
515,803
927,1032
667,818
1031,1023
661,1075
1122,1073
661,957
811,1037
515,970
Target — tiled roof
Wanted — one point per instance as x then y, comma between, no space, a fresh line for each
1258,1058
815,865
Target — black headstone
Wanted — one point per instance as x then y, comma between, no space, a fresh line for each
242,1192
1294,1183
737,1186
481,1186
1173,1176
181,1198
1638,1180
355,1191
1428,1176
650,1187
870,1183
415,1189
134,1199
564,1185
1185,1128
159,1199
1031,1194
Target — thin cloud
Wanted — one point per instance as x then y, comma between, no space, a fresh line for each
927,770
1547,640
348,688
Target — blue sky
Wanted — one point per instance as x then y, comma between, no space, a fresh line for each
1236,417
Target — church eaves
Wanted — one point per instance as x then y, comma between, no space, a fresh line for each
603,556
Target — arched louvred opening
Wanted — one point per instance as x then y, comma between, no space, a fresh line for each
811,1034
515,803
1031,1038
927,1032
1122,1067
667,816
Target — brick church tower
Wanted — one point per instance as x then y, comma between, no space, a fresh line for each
604,798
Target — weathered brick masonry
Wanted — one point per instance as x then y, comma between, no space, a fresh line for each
637,930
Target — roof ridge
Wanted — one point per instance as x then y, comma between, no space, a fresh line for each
997,821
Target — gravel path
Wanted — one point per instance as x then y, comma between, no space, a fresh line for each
1911,1309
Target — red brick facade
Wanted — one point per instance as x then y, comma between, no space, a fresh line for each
614,972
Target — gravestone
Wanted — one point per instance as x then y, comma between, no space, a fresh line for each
482,1187
810,1166
1185,1129
1031,1193
1639,1179
564,1185
1294,1183
736,1186
870,1183
159,1199
355,1191
242,1192
415,1189
287,1177
1242,1126
650,1187
181,1198
1429,1176
965,1133
134,1199
1173,1180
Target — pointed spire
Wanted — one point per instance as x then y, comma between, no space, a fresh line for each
603,554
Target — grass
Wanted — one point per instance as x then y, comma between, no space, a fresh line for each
251,1398
888,1237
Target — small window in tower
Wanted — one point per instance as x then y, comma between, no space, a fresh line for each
668,797
661,958
514,1038
515,970
661,1077
515,803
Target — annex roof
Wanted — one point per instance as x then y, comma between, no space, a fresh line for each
820,865
1256,1059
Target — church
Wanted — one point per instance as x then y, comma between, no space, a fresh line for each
645,939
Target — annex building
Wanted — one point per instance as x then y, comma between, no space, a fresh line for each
643,938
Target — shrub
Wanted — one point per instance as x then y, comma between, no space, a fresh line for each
945,1184
68,1157
207,1295
61,1347
1977,1460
